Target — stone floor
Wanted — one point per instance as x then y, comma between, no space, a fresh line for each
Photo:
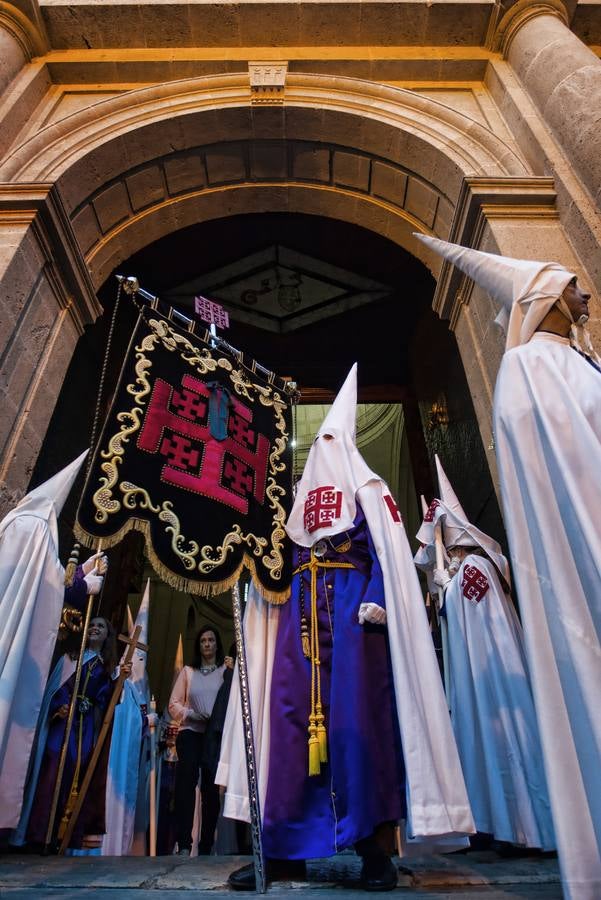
477,876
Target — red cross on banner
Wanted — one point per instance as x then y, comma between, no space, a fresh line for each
176,426
322,507
474,584
211,312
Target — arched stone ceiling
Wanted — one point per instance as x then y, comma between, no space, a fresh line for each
134,167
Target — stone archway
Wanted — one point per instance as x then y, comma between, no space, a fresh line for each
96,186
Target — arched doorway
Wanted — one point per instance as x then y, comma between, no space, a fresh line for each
129,170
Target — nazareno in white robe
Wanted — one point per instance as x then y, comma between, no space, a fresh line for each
547,418
436,795
492,710
31,598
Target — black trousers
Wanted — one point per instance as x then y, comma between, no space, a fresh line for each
189,745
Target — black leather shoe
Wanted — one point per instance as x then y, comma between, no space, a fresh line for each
243,879
275,870
378,873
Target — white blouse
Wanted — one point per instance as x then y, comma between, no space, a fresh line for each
193,697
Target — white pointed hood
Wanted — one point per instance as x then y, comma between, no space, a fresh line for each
139,678
425,556
526,289
47,499
335,470
457,530
454,533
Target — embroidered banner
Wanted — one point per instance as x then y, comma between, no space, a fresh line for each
195,454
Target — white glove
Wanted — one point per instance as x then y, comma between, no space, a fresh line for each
441,578
152,719
93,582
98,562
372,613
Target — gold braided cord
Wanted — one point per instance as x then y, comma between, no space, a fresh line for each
317,743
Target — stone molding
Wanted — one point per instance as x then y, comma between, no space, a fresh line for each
520,13
481,201
40,207
56,147
22,30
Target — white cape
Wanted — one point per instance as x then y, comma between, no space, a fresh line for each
436,794
122,774
548,438
493,715
31,599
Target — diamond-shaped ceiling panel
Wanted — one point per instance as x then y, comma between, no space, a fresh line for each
280,290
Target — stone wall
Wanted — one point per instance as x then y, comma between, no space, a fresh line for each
123,123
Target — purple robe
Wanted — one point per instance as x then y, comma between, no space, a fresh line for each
96,687
362,784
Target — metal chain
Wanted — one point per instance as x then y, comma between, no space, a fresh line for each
103,372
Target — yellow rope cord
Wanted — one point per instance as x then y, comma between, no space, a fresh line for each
318,745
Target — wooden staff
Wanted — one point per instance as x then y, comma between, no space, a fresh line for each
70,717
153,781
444,635
104,730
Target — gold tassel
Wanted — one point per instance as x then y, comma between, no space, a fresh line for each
322,737
69,807
314,764
305,639
72,565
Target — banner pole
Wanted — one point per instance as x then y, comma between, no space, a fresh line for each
249,746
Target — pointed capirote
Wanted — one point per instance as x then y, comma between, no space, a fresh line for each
446,493
424,504
57,488
138,677
143,613
342,415
527,289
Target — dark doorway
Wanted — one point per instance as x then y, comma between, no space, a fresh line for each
334,294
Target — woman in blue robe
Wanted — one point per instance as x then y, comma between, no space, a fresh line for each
95,692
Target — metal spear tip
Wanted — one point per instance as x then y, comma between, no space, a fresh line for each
131,285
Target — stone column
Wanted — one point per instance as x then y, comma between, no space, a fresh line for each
46,299
563,78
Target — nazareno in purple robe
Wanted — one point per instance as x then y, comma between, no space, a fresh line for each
96,686
362,784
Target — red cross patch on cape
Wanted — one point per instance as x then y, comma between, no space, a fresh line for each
392,508
474,584
322,507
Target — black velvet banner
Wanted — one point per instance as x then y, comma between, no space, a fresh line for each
195,454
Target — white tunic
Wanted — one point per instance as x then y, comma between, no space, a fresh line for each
492,710
548,439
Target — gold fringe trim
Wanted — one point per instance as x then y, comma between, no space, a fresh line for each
180,582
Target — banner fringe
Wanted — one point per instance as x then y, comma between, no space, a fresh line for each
180,582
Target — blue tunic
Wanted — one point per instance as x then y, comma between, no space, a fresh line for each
362,784
95,692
